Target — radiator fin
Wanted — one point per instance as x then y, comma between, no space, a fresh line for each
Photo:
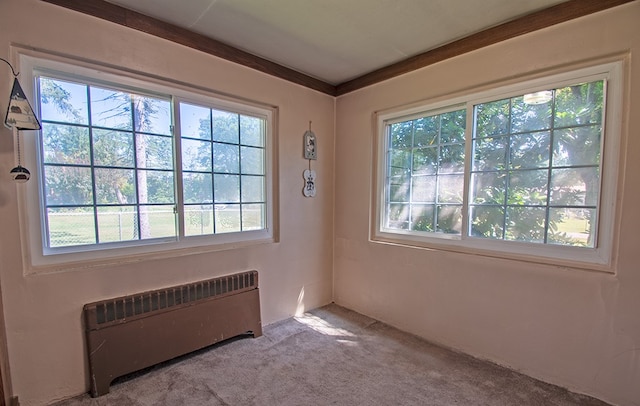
133,306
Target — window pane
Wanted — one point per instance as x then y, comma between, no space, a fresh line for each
251,131
253,216
226,188
577,146
422,217
398,216
580,104
197,187
526,224
110,108
398,175
113,148
488,188
489,153
225,126
400,159
68,185
154,152
115,186
492,119
452,126
450,188
528,188
65,144
195,121
73,226
450,219
252,189
252,161
487,221
426,131
157,222
117,223
155,187
399,192
196,155
425,161
152,115
574,227
63,101
198,219
574,187
423,189
527,117
225,158
451,159
228,218
401,135
529,150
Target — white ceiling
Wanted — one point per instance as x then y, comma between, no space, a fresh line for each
335,40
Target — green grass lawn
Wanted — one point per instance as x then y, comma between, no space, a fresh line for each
77,227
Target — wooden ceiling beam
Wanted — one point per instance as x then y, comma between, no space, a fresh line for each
531,22
538,20
137,21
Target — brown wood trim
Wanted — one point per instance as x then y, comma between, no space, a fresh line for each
532,22
137,21
535,21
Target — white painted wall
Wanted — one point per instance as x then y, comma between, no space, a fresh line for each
573,328
43,312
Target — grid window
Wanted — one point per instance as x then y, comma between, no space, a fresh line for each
107,164
517,170
223,175
535,174
425,173
115,171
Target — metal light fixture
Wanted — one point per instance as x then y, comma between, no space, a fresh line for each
541,97
20,116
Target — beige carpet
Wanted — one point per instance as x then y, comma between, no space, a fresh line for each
331,356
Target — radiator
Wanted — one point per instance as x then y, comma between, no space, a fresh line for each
129,333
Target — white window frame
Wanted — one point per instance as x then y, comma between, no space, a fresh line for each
598,258
39,258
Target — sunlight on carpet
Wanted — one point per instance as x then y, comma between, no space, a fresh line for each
322,326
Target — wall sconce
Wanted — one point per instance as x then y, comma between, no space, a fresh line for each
20,116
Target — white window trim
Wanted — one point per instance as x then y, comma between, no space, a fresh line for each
599,258
37,260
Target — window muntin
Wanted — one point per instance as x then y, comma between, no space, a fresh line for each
115,249
223,173
571,221
535,172
107,164
425,173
